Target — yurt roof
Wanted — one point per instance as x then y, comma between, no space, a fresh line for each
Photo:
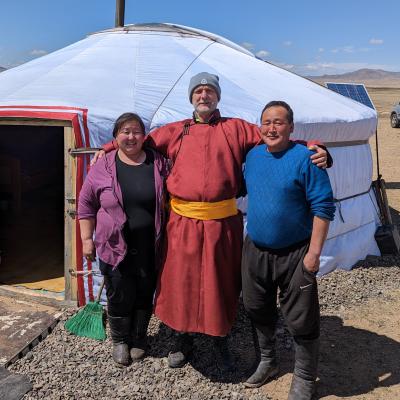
146,68
181,30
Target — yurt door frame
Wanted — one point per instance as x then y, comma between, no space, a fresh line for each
69,199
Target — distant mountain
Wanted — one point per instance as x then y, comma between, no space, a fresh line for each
2,69
360,75
369,77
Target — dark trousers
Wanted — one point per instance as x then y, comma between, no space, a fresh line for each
126,290
266,270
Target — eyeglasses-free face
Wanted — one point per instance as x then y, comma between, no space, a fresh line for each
275,128
130,138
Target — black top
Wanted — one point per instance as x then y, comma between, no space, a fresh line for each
139,202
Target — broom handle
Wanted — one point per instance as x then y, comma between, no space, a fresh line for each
100,291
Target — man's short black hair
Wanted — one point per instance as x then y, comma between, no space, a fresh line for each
280,103
125,118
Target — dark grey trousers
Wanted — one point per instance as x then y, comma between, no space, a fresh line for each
266,270
127,291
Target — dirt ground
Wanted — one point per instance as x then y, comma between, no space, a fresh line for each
359,355
360,348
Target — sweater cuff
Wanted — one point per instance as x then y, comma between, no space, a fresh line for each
329,216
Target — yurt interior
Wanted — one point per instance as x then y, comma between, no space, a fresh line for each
33,243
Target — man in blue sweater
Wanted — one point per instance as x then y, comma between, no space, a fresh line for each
290,205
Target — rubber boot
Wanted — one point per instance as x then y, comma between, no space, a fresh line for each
181,350
305,369
264,341
120,335
140,322
223,355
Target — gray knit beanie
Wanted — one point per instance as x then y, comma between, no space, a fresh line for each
204,78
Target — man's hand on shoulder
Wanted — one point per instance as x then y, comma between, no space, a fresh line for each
320,158
99,154
106,148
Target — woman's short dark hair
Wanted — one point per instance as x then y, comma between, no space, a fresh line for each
280,103
125,117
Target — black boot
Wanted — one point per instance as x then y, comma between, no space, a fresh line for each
181,349
120,335
264,341
305,369
223,355
140,322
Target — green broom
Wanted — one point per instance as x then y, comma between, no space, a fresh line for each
88,322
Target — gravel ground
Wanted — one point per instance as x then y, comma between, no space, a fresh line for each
67,367
374,277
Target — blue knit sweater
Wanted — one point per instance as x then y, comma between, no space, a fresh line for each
285,191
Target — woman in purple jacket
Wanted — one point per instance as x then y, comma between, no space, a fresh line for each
122,202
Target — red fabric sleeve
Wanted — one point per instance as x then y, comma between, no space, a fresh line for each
160,138
110,146
252,136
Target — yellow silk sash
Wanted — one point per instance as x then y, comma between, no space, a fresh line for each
204,210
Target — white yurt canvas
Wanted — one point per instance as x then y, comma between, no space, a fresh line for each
146,69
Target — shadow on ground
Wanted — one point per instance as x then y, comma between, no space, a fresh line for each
352,361
355,361
203,359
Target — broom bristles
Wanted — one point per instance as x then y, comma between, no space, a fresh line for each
88,322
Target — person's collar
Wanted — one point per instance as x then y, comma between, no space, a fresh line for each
215,116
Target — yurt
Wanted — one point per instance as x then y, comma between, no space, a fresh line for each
55,109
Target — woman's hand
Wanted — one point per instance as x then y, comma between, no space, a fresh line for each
320,158
99,154
311,262
88,249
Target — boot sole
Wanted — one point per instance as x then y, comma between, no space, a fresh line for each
272,375
138,357
136,360
182,363
121,365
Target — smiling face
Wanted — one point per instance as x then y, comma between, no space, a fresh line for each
205,101
130,138
275,128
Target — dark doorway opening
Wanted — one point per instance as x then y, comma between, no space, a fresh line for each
32,208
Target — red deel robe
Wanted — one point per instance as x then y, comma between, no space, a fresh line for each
199,283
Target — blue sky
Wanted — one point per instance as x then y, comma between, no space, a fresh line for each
308,37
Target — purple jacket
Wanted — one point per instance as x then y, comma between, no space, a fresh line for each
101,199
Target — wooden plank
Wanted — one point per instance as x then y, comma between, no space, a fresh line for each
69,223
34,122
24,324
